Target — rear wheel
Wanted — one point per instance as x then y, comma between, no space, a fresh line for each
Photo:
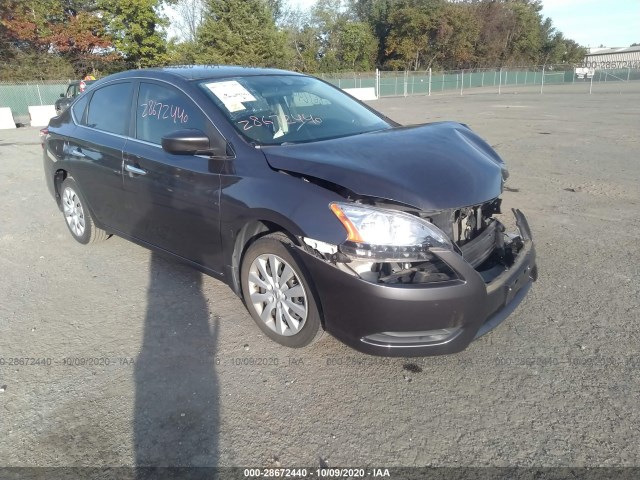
278,293
77,215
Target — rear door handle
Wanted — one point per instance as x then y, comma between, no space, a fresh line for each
135,170
76,152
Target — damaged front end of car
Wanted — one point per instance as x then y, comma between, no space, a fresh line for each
458,274
426,264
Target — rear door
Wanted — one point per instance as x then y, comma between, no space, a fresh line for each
95,150
173,199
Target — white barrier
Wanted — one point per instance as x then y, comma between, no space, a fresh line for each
41,114
6,118
368,93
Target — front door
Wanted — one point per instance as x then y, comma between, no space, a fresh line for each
173,200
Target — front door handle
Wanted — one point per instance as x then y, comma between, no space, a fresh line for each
135,170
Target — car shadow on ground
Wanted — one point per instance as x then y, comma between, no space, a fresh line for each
176,418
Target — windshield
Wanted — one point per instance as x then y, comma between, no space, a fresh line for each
277,109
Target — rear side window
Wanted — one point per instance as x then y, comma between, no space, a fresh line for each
163,109
109,108
78,109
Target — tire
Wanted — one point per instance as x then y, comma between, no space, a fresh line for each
290,320
77,215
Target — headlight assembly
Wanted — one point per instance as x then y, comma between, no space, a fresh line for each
387,234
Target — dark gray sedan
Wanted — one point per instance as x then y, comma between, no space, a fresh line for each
321,213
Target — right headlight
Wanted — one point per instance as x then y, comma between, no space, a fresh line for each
387,234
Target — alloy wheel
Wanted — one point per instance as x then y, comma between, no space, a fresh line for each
73,211
277,294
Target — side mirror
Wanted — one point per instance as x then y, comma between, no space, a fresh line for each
62,95
190,142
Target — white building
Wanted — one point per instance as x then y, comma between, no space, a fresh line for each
611,58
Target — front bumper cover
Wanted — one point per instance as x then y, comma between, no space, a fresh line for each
418,320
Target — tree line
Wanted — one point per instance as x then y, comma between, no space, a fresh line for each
66,38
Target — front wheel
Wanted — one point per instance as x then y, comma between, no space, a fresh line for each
278,293
77,215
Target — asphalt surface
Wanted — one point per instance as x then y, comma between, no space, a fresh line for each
112,356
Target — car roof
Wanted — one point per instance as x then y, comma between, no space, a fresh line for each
201,72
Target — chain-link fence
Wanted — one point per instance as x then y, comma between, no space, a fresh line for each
19,96
489,80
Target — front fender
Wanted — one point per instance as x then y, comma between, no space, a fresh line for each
300,207
286,202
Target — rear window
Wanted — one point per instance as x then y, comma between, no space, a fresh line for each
78,109
109,108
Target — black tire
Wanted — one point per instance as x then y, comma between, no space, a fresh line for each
280,245
73,201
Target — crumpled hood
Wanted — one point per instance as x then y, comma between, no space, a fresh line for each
432,167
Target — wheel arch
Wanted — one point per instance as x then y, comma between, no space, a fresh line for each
59,176
246,236
252,232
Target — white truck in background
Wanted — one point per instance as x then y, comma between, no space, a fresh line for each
585,72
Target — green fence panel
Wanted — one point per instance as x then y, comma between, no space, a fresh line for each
20,97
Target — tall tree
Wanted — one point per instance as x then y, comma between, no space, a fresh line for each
276,7
413,39
240,32
574,52
556,48
27,23
67,33
357,46
457,35
344,42
376,13
525,41
136,28
303,39
80,38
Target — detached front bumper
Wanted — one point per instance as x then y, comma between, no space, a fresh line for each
426,319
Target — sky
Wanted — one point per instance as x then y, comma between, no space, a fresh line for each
591,23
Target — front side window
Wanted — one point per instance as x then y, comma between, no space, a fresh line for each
162,109
277,109
109,108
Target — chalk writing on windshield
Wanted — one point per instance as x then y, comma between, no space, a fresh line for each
164,111
262,121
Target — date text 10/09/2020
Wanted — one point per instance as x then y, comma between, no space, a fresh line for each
302,473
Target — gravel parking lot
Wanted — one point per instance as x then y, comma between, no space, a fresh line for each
111,355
